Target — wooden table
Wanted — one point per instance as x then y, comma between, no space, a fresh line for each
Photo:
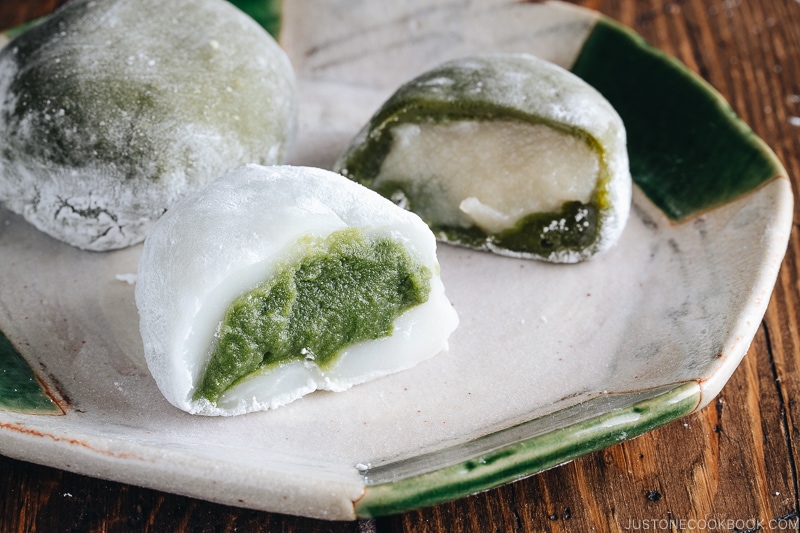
731,467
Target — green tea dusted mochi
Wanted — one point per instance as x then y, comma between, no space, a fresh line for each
111,111
507,153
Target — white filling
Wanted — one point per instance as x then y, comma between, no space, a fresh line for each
489,173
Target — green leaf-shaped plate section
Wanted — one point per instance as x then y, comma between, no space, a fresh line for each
265,12
20,390
688,150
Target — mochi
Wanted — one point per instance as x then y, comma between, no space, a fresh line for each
111,111
273,282
507,153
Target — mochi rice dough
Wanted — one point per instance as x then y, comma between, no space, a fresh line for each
273,282
112,110
506,153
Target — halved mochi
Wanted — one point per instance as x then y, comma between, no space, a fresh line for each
111,111
507,153
273,282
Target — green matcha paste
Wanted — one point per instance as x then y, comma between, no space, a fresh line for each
343,289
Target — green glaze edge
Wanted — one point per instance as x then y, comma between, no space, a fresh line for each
689,152
20,391
396,488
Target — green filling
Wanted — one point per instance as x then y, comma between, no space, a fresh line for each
573,228
345,289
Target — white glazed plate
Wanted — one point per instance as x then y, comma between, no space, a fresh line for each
550,361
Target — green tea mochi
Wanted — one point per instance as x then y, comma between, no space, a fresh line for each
506,153
273,282
111,111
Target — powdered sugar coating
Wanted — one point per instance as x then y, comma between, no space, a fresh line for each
111,111
221,242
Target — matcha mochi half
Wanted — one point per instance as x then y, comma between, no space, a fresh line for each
507,153
273,282
112,110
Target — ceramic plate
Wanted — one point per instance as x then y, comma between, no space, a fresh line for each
550,361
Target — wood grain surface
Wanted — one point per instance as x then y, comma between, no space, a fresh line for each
15,12
731,467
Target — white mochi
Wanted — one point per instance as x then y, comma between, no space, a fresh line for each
220,243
